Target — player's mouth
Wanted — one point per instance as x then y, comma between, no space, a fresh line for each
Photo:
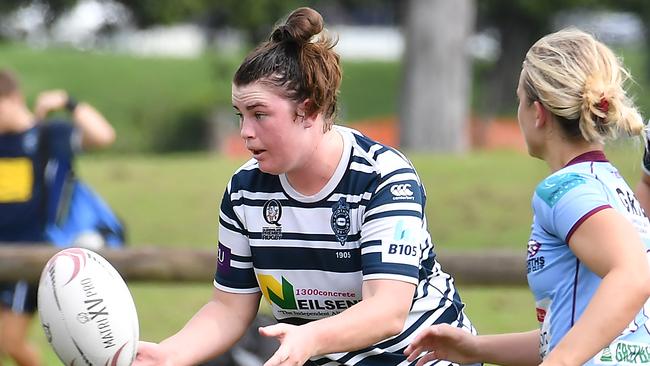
256,152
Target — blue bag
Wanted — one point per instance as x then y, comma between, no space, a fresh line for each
84,219
75,214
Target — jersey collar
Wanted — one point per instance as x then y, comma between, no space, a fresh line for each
340,171
589,156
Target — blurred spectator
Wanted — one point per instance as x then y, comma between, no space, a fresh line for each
22,192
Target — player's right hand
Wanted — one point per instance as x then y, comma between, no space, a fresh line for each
443,342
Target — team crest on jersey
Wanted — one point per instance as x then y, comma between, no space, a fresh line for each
272,212
340,220
533,247
534,263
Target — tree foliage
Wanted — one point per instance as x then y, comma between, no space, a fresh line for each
253,17
54,7
519,23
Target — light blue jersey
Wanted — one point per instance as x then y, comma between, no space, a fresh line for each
561,283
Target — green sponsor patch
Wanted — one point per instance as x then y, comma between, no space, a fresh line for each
556,186
606,356
624,353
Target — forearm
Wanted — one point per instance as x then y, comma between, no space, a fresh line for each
95,129
618,299
211,332
362,325
519,349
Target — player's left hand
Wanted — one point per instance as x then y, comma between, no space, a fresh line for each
296,345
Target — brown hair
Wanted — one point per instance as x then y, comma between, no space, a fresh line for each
581,82
8,83
299,60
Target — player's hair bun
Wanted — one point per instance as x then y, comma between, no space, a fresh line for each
299,28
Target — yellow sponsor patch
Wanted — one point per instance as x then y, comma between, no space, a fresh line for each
16,180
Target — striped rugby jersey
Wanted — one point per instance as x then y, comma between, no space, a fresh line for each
308,255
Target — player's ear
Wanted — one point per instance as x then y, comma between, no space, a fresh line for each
303,116
541,114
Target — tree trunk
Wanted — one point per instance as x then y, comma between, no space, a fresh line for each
498,98
436,75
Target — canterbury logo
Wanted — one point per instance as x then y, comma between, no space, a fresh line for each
401,190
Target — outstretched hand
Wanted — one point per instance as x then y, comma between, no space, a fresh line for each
296,345
443,342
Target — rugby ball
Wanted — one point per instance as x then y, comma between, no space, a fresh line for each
86,310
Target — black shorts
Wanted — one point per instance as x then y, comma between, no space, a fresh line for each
19,297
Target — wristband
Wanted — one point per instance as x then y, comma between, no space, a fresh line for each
71,104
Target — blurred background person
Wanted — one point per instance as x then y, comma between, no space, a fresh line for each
22,207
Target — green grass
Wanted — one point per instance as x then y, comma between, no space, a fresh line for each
500,309
475,201
173,192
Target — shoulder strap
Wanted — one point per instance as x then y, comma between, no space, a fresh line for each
43,155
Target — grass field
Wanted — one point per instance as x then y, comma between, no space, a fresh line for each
477,201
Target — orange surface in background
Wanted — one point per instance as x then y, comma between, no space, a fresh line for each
495,134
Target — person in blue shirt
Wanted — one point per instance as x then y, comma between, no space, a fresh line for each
22,212
586,259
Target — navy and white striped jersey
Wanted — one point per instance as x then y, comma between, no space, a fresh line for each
309,255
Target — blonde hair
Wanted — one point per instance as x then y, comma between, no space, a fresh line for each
581,81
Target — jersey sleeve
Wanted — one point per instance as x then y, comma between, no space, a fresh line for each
235,272
392,229
562,202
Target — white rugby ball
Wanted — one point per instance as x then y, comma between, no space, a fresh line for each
86,310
